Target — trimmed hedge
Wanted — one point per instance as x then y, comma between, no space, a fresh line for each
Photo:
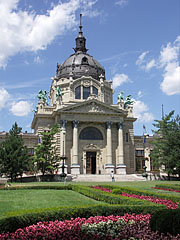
118,190
109,197
165,221
66,187
169,186
23,219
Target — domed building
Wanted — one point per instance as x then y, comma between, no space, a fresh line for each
96,135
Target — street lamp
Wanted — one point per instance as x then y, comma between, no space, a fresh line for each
63,158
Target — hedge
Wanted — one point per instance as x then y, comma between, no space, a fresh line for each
108,197
169,186
165,221
24,219
119,190
65,187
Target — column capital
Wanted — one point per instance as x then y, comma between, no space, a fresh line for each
120,125
75,124
63,124
108,125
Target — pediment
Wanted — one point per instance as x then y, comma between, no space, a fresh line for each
92,106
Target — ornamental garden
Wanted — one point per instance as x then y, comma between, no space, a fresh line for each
117,210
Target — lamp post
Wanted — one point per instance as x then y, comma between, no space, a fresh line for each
63,158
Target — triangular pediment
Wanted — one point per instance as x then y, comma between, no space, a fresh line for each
93,106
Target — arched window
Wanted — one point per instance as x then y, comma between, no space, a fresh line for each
90,133
84,60
78,92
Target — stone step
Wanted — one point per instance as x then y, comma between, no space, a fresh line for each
107,178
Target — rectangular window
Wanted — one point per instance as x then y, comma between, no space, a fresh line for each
140,161
78,92
127,137
86,92
95,90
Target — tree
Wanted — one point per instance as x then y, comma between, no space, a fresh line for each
45,158
14,159
166,143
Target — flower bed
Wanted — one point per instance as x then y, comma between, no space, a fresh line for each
168,203
167,189
99,227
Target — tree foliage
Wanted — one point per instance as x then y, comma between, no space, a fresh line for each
45,158
166,150
14,159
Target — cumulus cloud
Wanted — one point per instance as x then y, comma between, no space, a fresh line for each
119,79
21,108
141,112
4,97
169,60
27,31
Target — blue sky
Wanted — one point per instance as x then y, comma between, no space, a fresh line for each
137,42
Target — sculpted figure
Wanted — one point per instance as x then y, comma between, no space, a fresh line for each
35,110
120,96
58,92
128,101
42,95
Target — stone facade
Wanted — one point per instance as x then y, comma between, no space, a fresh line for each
96,136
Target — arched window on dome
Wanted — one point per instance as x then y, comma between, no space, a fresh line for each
78,92
84,60
90,133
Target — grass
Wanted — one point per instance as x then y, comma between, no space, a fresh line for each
16,200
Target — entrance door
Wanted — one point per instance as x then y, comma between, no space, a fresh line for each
91,162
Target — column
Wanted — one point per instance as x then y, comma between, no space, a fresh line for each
120,166
109,166
75,167
63,145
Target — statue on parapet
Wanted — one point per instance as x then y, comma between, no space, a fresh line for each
58,93
42,95
35,110
128,101
120,96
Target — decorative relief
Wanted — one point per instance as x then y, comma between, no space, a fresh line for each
91,146
94,108
86,83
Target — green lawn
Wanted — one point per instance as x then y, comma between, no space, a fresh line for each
14,200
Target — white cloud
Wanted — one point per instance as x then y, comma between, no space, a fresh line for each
140,94
119,79
121,3
141,112
38,60
169,60
21,108
140,59
27,31
4,97
171,82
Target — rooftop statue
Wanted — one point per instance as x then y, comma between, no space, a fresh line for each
58,92
128,101
35,110
42,95
120,96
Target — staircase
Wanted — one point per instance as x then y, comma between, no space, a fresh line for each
106,178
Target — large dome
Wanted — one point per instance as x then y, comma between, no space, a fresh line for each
80,63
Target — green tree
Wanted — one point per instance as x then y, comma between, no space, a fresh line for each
14,159
45,158
166,143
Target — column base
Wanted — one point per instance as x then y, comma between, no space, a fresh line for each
109,168
121,169
75,169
